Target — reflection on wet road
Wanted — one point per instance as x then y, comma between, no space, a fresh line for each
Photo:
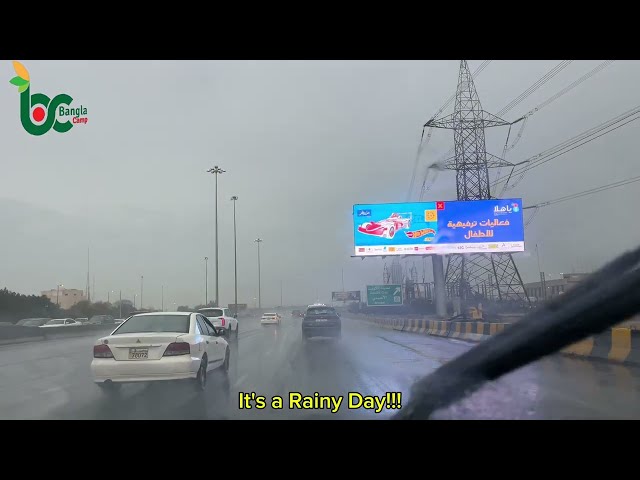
52,380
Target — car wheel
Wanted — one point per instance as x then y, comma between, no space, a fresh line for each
392,232
201,377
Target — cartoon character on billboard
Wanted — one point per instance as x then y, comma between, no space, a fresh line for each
388,227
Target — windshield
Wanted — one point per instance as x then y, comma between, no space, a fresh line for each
155,324
368,237
56,322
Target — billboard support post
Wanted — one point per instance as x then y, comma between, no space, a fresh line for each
439,287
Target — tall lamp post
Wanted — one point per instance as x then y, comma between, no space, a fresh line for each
120,304
206,281
259,241
234,199
216,170
162,306
141,290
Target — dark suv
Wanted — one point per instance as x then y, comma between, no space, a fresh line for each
321,321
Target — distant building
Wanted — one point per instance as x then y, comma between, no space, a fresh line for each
65,297
554,287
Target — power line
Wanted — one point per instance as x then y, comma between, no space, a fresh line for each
536,85
574,142
591,191
570,87
547,102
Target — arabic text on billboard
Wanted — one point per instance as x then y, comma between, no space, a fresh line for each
442,227
384,295
353,296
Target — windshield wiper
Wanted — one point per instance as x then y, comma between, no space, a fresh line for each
604,299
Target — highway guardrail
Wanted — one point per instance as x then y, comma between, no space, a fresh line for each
618,344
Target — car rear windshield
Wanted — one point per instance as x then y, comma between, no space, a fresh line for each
155,323
212,312
321,311
55,322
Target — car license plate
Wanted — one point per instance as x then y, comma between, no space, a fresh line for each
138,353
321,320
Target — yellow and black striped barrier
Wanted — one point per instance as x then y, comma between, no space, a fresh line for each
619,345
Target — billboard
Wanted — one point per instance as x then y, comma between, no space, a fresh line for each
442,227
384,295
353,296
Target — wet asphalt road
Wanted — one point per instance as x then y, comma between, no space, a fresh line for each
51,380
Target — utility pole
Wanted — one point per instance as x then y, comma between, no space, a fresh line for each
88,282
216,170
259,241
162,307
343,279
281,294
543,280
206,281
141,291
120,304
471,164
234,199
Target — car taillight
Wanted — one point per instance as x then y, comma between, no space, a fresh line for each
222,319
177,348
102,351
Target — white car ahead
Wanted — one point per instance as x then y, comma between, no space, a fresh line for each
160,346
221,318
270,319
61,322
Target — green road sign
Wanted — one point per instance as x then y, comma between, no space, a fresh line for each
384,295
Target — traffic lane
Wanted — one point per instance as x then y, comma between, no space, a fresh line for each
270,360
556,387
52,378
38,377
372,361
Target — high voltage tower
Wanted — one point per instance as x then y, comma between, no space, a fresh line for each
471,162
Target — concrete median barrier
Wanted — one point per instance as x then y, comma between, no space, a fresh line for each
10,334
618,345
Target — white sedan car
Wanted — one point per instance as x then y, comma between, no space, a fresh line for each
160,346
61,322
270,319
222,318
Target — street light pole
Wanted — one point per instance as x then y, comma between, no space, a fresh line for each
58,295
280,293
259,241
235,260
216,170
120,304
162,307
141,290
206,281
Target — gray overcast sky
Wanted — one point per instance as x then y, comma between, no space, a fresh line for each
301,142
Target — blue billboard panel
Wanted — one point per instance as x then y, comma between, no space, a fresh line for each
442,227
